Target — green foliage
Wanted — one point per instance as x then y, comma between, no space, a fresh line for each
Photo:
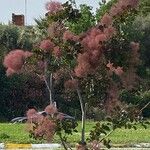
42,25
100,130
84,22
16,94
138,98
6,99
142,25
69,13
4,136
126,117
104,8
64,129
15,91
9,36
144,7
129,97
145,99
133,26
14,37
77,21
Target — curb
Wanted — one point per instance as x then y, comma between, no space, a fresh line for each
29,146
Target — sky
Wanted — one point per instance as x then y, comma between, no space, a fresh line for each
35,8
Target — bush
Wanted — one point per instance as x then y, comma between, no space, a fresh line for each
145,99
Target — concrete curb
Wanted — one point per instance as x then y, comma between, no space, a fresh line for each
52,146
2,145
130,148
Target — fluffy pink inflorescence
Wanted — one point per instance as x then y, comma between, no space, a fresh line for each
71,84
60,116
84,66
59,74
51,109
95,145
14,60
33,116
118,71
31,112
53,7
10,72
110,32
135,46
57,52
123,5
94,32
45,129
106,20
47,45
68,35
95,56
133,3
88,60
100,38
27,54
96,37
81,147
135,58
93,41
110,66
42,64
80,71
92,46
92,49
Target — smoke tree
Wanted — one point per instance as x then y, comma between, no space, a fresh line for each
80,61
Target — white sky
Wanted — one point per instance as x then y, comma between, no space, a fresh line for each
35,8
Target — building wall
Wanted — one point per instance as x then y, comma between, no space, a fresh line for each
18,20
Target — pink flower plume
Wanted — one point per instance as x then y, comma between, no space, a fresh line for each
14,60
53,7
47,45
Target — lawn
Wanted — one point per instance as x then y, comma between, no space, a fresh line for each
16,133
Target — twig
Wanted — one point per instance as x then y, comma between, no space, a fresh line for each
46,83
107,135
144,106
51,86
64,143
83,112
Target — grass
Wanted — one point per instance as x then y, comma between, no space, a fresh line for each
131,136
16,133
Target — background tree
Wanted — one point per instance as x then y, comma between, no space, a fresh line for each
14,90
131,30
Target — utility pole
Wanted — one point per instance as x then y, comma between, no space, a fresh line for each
25,12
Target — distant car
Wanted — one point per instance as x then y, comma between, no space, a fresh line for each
24,119
19,120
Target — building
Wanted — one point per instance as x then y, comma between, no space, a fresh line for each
18,20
